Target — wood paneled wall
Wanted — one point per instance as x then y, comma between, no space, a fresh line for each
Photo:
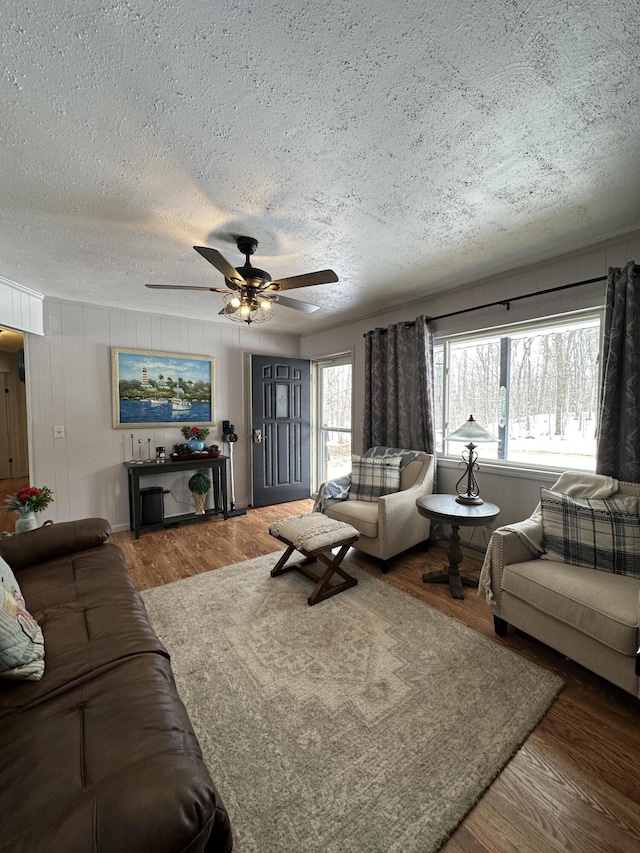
69,384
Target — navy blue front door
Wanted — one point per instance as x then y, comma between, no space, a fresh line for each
281,429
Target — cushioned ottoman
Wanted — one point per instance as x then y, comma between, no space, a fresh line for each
314,536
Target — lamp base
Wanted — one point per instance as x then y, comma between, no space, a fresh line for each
475,500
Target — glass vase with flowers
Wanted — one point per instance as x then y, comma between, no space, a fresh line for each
27,502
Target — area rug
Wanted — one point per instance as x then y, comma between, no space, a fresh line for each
369,723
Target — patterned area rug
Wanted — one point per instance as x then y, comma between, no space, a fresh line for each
370,723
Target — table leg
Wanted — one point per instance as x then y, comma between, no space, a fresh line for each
223,490
130,490
136,504
451,574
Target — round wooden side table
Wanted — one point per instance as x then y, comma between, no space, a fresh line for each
446,508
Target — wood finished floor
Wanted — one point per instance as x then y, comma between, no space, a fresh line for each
575,783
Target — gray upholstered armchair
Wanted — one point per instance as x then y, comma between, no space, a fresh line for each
543,582
388,524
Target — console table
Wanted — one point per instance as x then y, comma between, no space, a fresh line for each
218,468
446,508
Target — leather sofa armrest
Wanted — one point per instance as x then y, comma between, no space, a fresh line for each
55,540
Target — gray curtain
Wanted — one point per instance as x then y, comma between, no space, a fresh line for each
618,453
398,400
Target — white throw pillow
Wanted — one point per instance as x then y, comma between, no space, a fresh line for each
21,640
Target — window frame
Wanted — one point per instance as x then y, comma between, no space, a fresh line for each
443,341
318,427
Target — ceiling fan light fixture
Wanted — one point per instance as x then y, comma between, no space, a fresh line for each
248,308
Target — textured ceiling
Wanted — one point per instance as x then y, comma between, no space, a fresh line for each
410,146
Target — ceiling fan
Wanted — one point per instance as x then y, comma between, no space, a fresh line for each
250,292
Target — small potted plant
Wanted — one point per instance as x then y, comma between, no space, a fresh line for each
199,485
27,502
195,436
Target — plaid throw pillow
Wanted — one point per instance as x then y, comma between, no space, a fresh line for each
600,534
372,477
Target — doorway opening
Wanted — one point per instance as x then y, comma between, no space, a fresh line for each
14,454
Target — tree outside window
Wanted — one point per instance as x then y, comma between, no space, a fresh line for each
334,418
535,389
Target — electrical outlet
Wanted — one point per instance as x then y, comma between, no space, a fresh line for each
58,432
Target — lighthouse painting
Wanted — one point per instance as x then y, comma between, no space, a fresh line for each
161,388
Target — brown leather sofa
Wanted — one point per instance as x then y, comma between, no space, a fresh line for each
99,755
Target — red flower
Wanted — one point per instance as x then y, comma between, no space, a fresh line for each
195,430
29,499
29,492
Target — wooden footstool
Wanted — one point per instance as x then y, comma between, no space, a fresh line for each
315,536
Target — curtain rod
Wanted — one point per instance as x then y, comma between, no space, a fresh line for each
507,302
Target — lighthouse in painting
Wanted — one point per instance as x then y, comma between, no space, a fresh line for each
145,381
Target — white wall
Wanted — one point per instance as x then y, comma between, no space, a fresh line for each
515,492
69,384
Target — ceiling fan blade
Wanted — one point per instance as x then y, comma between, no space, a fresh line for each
220,263
187,287
297,304
228,309
306,280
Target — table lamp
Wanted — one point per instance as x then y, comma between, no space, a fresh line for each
472,433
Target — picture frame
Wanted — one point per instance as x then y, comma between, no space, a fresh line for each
161,389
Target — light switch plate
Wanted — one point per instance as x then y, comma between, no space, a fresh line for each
58,432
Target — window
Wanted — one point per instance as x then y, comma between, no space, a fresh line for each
535,388
333,418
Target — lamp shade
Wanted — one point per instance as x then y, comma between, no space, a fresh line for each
471,432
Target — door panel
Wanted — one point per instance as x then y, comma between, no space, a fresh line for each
281,411
5,438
